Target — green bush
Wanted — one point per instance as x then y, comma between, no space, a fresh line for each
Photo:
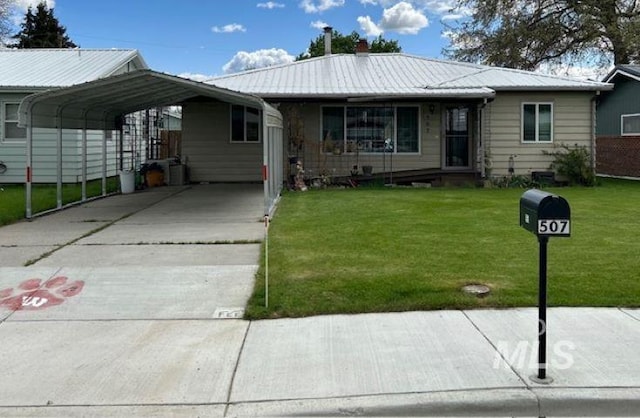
574,163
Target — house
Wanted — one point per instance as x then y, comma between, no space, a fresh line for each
618,124
27,71
420,118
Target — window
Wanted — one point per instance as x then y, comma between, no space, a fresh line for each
366,128
10,129
537,122
630,124
245,124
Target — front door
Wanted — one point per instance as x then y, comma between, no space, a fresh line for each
457,137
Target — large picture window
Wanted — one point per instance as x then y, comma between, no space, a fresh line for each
367,129
10,129
630,124
245,124
537,122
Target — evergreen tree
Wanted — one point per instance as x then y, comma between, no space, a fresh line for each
346,44
42,30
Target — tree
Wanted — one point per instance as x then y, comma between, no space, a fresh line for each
346,44
524,34
42,30
5,18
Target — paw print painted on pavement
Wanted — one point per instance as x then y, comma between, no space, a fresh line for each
34,295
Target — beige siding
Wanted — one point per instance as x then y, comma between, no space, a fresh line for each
305,119
572,124
208,150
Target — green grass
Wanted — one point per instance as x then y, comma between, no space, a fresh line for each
382,250
12,197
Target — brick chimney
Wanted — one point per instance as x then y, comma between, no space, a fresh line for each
327,40
362,47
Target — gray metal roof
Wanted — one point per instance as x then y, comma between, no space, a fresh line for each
391,75
98,104
628,70
34,69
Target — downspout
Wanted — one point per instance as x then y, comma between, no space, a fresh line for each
593,131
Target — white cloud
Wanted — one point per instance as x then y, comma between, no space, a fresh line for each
271,5
319,24
402,18
369,27
445,9
319,6
257,59
230,28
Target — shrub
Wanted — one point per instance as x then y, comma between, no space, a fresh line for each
574,163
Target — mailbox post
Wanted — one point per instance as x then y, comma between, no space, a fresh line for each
545,215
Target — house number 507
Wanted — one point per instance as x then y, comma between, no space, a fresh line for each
553,226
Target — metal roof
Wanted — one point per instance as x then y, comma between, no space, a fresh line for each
630,71
390,75
34,69
101,102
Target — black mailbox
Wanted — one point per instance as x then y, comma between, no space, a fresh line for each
545,214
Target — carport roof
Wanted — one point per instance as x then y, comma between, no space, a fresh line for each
99,104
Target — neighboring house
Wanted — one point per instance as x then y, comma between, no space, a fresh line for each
618,124
424,117
27,71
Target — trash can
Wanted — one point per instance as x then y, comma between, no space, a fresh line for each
127,181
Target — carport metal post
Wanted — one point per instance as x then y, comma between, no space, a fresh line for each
59,160
104,162
29,174
84,161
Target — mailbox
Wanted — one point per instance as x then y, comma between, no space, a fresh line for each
545,214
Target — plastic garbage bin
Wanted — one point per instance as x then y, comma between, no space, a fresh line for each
127,181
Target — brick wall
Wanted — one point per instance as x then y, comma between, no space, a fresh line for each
618,156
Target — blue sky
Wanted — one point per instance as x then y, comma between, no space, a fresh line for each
213,37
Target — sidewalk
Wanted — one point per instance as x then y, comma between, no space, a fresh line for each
146,335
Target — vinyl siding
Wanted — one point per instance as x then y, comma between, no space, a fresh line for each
208,151
572,124
44,156
623,100
13,154
316,161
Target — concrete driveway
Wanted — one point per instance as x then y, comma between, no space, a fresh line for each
121,299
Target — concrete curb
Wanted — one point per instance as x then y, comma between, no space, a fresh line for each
620,402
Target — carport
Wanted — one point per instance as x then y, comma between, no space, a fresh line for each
101,105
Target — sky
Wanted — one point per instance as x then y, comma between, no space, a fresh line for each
205,38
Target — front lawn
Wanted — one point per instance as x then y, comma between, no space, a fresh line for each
382,250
